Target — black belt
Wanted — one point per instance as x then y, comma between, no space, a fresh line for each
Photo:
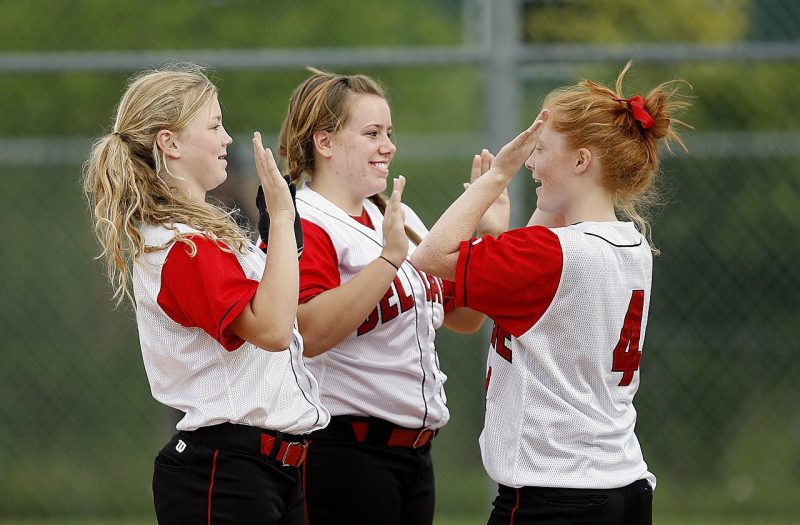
287,449
375,431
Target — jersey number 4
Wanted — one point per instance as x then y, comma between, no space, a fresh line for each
627,354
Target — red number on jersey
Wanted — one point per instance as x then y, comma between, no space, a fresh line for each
627,354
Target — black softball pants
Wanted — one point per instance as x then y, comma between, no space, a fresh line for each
630,505
368,482
219,475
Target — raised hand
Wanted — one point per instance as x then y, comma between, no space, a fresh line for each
395,240
511,156
496,219
277,197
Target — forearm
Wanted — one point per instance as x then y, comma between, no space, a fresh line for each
438,252
268,319
328,318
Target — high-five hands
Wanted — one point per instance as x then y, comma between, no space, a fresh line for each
272,195
496,219
395,240
511,156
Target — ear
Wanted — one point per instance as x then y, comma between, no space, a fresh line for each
322,143
583,161
165,140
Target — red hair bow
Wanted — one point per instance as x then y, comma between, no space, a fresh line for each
639,112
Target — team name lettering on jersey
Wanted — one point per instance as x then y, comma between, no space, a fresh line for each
394,302
501,342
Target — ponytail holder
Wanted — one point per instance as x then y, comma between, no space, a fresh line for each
640,114
121,136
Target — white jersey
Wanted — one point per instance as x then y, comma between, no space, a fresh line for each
570,308
388,368
195,365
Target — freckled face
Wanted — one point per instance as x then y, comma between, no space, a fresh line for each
552,165
363,149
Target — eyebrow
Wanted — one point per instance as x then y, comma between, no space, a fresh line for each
216,117
376,125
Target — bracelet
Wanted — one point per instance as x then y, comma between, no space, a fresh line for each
390,262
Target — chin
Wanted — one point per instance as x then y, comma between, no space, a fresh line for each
380,186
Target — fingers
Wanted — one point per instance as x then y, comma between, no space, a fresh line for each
475,172
265,162
397,190
480,164
534,128
394,211
486,160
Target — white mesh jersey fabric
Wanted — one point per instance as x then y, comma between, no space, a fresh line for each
392,371
190,371
556,416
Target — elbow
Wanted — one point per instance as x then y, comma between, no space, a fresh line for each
421,259
284,341
276,340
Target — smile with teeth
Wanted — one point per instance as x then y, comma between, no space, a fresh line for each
383,166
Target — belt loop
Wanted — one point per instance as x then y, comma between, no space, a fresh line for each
360,429
267,444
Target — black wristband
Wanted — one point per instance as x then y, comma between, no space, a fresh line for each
390,262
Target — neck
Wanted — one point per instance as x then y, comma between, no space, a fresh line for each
191,191
338,195
596,206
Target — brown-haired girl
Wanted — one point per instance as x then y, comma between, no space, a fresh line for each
569,296
216,318
367,315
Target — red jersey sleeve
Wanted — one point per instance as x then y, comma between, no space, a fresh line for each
512,278
207,290
448,295
319,265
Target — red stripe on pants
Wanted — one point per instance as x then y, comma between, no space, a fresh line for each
514,510
211,484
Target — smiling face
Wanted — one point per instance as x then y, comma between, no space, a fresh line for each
202,148
362,150
553,165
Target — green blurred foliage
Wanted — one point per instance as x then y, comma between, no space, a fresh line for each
223,24
640,21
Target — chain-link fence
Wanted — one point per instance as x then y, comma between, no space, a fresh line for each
719,404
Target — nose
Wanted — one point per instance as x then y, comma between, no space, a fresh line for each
388,147
530,162
227,140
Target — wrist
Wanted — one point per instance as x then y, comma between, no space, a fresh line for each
390,261
282,218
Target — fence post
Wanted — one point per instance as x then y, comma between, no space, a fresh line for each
503,41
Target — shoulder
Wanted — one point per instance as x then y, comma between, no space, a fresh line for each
158,234
604,234
530,234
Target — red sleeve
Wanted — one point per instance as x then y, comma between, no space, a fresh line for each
319,265
448,295
512,278
207,290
